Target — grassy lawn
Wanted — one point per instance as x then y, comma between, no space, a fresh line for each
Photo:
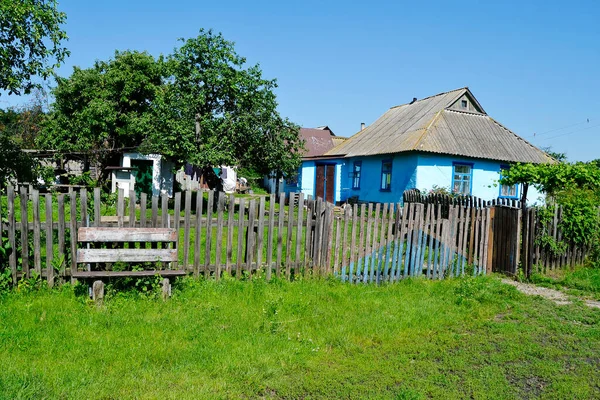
582,282
468,338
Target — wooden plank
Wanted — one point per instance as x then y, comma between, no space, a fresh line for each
127,234
438,243
462,237
187,227
176,211
297,260
486,217
37,247
288,247
119,274
338,238
490,239
345,245
416,240
132,201
49,241
388,244
432,226
73,232
530,240
517,236
198,232
352,249
24,232
208,244
466,233
143,208
240,239
374,242
327,244
318,236
368,244
250,243
410,238
219,245
270,235
164,211
399,242
154,211
261,233
120,207
280,234
229,244
61,232
12,258
308,237
479,226
361,242
381,243
126,255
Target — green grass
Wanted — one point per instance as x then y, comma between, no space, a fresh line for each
468,338
584,282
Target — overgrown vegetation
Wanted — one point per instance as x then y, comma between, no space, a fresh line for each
573,186
467,338
584,282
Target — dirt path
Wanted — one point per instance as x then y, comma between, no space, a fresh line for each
556,296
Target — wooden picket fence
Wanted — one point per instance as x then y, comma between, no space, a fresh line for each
288,236
514,234
387,242
275,236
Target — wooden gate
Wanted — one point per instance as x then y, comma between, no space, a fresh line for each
506,240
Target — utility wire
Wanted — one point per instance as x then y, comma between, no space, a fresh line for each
587,121
569,133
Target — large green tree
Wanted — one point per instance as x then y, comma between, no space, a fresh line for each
105,109
31,43
214,110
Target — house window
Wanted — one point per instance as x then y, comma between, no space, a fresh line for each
293,180
386,175
356,174
464,104
509,191
461,178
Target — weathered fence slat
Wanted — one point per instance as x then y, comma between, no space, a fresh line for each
37,248
49,242
240,237
270,232
208,236
297,260
186,231
219,238
280,234
229,244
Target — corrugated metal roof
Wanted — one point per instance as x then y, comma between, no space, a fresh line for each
317,141
427,125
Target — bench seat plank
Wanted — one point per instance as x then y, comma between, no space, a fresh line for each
126,235
115,274
126,255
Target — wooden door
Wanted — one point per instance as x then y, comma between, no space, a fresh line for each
325,182
320,182
329,183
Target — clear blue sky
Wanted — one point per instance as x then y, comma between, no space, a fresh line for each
533,65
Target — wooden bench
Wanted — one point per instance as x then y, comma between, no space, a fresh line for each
109,236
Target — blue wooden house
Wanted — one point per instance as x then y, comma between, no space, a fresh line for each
445,141
318,176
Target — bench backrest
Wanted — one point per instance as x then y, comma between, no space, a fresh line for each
124,235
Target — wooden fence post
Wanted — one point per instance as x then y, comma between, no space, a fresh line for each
490,240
